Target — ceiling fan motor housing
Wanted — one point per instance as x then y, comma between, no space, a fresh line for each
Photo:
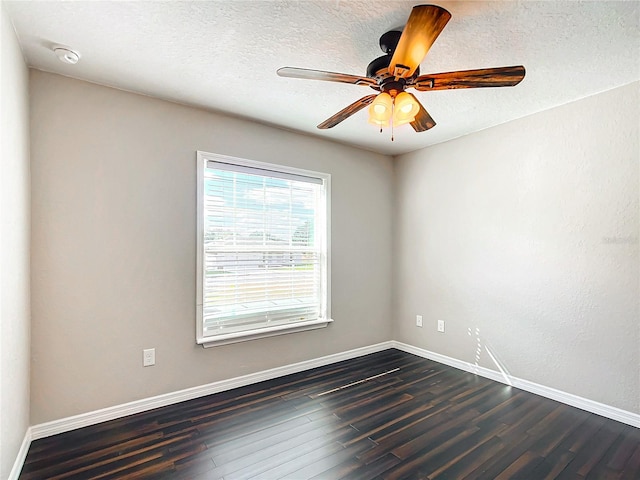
378,69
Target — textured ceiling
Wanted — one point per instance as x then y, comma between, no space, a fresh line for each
223,56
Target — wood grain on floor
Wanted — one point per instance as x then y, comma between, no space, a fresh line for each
417,419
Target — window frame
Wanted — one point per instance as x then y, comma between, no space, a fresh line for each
202,159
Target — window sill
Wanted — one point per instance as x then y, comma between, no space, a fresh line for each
226,339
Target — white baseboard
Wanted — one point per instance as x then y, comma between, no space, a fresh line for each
110,413
21,457
582,403
91,418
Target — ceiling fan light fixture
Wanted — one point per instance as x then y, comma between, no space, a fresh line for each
406,109
381,109
399,69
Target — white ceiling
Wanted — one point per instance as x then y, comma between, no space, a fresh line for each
223,56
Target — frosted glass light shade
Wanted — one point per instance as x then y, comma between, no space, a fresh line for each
406,109
381,110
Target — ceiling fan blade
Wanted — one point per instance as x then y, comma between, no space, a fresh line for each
347,112
423,27
423,120
486,77
293,72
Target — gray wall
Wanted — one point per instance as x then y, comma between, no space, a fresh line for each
524,239
113,246
14,248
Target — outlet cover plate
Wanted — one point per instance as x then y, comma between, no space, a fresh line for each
441,326
148,357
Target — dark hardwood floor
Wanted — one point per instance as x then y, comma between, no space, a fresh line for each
422,420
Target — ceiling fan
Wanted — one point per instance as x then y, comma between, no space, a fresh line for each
399,69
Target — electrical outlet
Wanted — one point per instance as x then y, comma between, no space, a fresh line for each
418,320
148,357
441,326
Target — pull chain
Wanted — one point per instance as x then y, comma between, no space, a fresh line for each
393,106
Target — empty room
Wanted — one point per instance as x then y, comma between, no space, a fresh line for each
323,239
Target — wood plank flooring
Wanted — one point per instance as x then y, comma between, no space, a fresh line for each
421,420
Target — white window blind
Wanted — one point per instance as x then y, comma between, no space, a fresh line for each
263,248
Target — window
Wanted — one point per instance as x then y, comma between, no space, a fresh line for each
263,266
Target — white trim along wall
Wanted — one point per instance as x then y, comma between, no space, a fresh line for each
91,418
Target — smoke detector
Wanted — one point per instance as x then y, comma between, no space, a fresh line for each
66,55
